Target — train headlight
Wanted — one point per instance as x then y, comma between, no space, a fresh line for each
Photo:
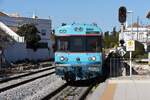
93,58
62,58
90,58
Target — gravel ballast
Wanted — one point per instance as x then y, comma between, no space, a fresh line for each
34,90
23,79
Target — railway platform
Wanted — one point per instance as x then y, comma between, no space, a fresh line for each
127,88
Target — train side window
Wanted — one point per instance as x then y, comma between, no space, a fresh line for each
62,45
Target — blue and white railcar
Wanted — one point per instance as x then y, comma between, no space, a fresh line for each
78,54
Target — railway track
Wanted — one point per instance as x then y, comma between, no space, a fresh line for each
24,79
52,94
26,74
24,87
67,92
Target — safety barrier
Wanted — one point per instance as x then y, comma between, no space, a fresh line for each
11,33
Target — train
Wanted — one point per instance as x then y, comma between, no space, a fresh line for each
78,52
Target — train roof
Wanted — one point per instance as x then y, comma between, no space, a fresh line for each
78,29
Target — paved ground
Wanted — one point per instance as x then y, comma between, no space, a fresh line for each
131,89
123,89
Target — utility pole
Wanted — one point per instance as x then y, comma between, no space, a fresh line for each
132,25
148,15
130,42
137,28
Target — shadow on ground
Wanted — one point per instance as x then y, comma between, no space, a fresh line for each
127,67
85,83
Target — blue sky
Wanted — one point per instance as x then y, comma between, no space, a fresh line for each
102,12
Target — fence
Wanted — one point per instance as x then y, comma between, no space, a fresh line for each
121,67
116,67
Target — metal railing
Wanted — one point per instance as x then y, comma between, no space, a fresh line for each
120,67
116,67
11,33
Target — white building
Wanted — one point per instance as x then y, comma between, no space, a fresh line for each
17,50
140,33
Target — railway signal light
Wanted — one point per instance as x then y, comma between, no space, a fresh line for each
122,14
122,42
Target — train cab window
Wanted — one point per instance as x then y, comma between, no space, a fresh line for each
77,44
93,44
62,44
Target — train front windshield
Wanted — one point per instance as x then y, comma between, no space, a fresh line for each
79,44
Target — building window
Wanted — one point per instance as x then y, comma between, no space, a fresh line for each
43,31
43,45
39,45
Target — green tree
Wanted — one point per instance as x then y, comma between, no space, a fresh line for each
29,31
111,40
114,37
106,39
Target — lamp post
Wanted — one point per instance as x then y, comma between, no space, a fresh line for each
131,12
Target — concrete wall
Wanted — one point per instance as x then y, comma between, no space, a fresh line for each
18,51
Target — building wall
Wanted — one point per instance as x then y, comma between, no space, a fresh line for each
141,34
41,24
18,51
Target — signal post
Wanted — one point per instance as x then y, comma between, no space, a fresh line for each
122,19
122,14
